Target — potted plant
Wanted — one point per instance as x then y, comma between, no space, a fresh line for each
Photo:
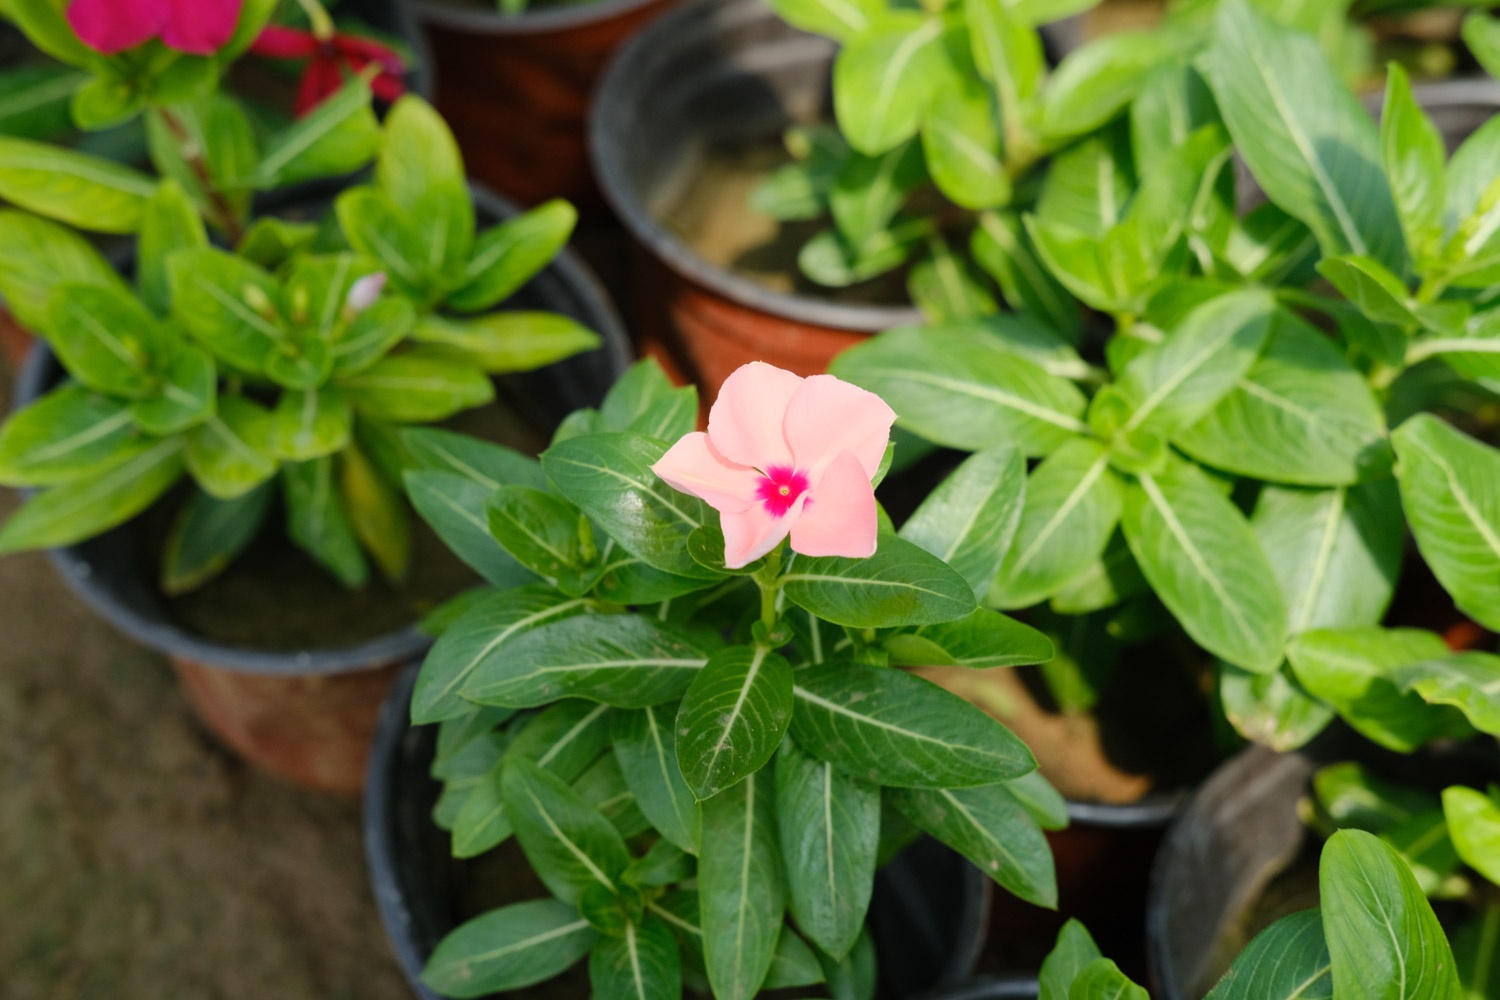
764,749
793,252
272,371
516,80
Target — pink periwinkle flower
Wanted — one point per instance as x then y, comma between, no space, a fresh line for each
786,455
197,27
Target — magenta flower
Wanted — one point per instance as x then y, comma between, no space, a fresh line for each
786,455
198,27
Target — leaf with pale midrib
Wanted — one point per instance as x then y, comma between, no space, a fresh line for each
732,718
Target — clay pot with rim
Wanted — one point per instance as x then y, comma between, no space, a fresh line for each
308,715
516,88
709,74
927,914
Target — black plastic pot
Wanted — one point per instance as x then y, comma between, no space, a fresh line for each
991,989
927,915
308,715
710,73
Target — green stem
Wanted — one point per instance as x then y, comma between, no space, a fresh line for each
768,579
317,19
1432,286
192,154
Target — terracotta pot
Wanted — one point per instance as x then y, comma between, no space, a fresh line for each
308,715
15,340
926,916
516,90
712,73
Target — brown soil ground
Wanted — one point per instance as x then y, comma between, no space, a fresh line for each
138,859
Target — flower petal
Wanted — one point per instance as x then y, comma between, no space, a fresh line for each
200,27
828,417
694,466
111,26
364,50
840,517
320,80
755,531
746,420
276,42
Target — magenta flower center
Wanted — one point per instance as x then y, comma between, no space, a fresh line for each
779,488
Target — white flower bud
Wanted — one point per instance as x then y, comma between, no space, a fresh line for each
364,292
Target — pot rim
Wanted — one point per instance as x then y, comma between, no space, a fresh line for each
991,988
613,94
395,646
532,22
1154,809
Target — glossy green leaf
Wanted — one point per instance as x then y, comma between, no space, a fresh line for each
970,519
227,304
1206,565
990,827
569,843
1450,488
733,717
1384,942
1001,246
36,255
75,188
506,256
1074,950
317,520
625,660
945,288
453,504
1101,979
376,228
983,640
794,964
1470,682
230,452
884,78
742,887
869,190
311,424
961,389
106,339
1272,709
186,395
645,744
1093,83
208,534
418,386
888,727
963,148
1415,161
35,105
1474,824
338,136
644,401
509,341
830,830
169,222
835,18
507,949
372,334
1287,961
69,434
642,964
900,584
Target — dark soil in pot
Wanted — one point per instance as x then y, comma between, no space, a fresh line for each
1240,857
927,915
689,115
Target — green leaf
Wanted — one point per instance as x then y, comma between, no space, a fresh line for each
419,386
378,514
1072,505
1101,979
486,632
1205,564
891,728
569,843
1310,145
793,965
372,334
507,256
645,744
85,191
226,303
963,147
899,585
318,522
186,395
69,434
508,949
1335,552
1006,50
732,718
1041,801
36,101
1301,415
453,504
1095,82
644,401
1383,940
208,534
375,228
869,190
624,660
991,828
1449,490
1001,246
1379,294
945,288
1286,961
270,242
830,830
961,389
853,976
839,20
417,153
1089,184
1174,103
1351,669
1074,950
338,136
1415,161
540,531
829,261
84,508
1271,709
1171,385
311,424
970,519
1354,796
509,341
985,639
169,222
1469,682
230,452
884,77
105,338
742,887
642,964
609,477
1474,824
1475,952
216,129
37,255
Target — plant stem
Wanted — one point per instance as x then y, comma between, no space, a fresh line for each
317,19
223,213
767,578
